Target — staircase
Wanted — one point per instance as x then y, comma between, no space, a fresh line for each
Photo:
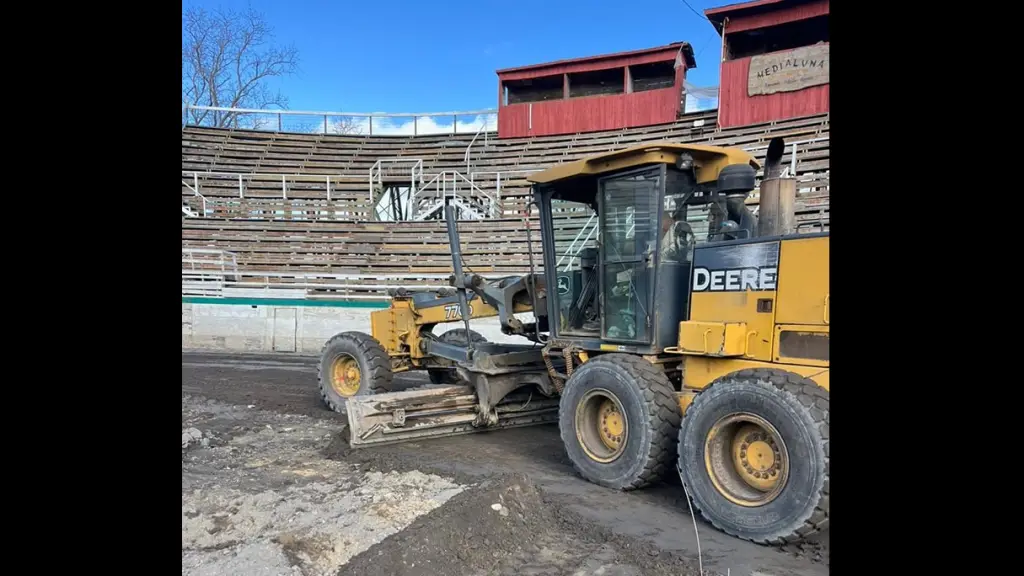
450,187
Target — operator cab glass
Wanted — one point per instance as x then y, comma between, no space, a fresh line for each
629,224
623,248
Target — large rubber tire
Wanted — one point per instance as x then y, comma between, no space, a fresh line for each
374,367
453,336
652,420
798,409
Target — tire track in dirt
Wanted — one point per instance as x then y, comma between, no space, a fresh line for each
657,515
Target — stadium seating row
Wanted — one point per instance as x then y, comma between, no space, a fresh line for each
288,229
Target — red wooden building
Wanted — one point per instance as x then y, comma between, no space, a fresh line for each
775,61
604,92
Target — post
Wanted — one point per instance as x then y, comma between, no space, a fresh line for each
328,187
777,213
370,124
415,119
284,188
278,121
458,280
455,124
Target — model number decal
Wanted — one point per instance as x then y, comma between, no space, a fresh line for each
735,279
451,311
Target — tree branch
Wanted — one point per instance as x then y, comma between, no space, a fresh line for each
228,59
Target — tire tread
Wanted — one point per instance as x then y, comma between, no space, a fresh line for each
380,376
815,399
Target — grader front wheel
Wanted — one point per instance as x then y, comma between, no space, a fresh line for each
618,418
352,364
753,453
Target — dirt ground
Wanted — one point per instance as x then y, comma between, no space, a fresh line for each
270,487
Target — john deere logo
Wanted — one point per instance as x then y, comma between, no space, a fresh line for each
563,285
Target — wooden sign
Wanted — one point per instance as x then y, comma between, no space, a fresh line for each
788,71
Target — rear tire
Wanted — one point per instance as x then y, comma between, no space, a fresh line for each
454,336
352,364
622,453
771,483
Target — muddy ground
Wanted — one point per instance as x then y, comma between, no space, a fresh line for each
269,487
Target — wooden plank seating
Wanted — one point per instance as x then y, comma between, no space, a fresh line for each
294,235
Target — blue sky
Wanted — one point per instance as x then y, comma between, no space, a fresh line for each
441,56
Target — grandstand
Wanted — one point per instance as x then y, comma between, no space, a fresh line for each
321,212
312,212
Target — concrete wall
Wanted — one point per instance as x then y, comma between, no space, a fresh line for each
289,326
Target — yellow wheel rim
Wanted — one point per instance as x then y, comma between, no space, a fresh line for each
746,459
601,425
345,375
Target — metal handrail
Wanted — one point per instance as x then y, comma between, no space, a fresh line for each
192,281
259,176
499,173
377,176
574,240
195,192
475,136
441,190
369,116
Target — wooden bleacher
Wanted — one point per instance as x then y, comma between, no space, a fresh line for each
298,230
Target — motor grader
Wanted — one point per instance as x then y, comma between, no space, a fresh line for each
669,325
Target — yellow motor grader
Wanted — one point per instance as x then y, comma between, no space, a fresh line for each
681,329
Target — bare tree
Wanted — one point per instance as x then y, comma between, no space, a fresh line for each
346,125
226,60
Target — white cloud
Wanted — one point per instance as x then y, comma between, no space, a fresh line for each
421,125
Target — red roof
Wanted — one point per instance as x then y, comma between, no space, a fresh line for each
718,15
688,57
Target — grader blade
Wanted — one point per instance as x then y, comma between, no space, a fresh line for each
438,412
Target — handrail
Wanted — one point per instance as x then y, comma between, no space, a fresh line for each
440,188
322,113
573,243
343,276
195,191
498,173
377,176
269,175
192,281
493,208
326,178
369,116
468,148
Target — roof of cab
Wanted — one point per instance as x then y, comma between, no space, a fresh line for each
655,152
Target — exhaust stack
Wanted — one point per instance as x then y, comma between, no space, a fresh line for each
777,212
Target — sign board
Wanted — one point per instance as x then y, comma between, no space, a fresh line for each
788,71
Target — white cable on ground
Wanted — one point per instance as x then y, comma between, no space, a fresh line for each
700,560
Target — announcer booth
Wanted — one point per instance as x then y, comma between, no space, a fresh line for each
775,60
605,92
